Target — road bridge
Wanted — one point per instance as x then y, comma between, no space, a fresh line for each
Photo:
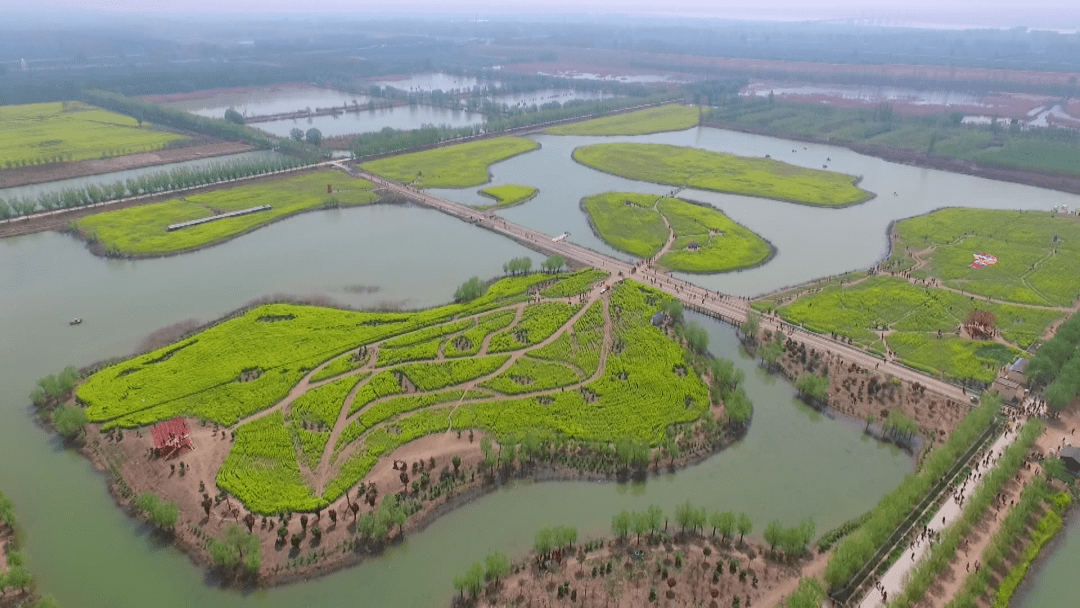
729,308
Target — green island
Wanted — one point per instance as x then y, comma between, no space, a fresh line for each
143,230
511,363
507,195
1038,253
457,166
704,170
42,133
671,117
689,237
937,310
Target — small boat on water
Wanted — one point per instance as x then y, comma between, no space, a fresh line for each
75,321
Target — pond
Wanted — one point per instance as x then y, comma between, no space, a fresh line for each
260,101
369,121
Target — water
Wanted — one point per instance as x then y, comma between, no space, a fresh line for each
793,464
430,82
867,93
539,98
811,242
369,121
266,100
35,190
1054,575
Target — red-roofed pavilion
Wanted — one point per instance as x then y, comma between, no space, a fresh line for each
172,437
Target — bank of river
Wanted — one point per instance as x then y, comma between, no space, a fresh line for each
792,464
1054,576
811,242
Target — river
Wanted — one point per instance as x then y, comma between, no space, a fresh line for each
793,463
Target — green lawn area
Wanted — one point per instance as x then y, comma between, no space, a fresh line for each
1038,253
916,315
670,117
142,230
690,167
246,364
508,195
706,240
52,132
459,166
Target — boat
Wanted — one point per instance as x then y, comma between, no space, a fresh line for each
75,321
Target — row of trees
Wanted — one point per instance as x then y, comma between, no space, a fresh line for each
689,518
1056,365
17,577
162,514
151,183
236,550
792,541
518,266
48,397
494,568
312,136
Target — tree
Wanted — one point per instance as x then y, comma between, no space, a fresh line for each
771,353
456,461
752,325
639,524
901,427
161,514
655,516
234,117
723,523
813,388
69,420
470,290
809,594
685,516
496,566
296,134
674,309
697,337
744,525
543,542
474,579
870,418
773,534
620,523
554,263
236,547
313,136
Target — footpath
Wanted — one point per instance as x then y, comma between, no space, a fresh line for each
895,579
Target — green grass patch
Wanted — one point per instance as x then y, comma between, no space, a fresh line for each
537,324
70,131
321,405
142,230
574,284
507,196
1038,253
341,365
642,122
706,240
917,314
458,166
469,342
529,375
693,168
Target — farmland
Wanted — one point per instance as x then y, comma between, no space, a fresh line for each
642,122
524,366
702,239
1038,254
508,195
693,168
70,131
459,166
922,325
141,230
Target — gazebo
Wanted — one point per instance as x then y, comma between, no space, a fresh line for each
172,438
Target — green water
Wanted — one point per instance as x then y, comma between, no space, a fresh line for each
87,553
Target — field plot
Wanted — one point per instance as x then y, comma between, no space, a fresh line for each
457,166
508,195
1038,254
143,230
694,238
596,372
642,122
922,325
41,133
693,168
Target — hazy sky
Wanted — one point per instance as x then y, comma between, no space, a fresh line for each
1046,13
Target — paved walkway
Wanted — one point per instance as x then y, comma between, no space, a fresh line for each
896,578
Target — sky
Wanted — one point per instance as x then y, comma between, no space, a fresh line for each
998,13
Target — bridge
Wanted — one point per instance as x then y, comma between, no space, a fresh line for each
731,309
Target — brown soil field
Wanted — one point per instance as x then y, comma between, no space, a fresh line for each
638,567
57,171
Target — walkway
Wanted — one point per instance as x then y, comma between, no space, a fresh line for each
895,579
730,308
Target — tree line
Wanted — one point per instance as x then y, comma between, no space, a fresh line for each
151,183
1056,365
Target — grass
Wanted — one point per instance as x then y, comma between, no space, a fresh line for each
642,122
71,131
916,315
459,166
705,240
142,230
507,196
693,168
1038,253
246,364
